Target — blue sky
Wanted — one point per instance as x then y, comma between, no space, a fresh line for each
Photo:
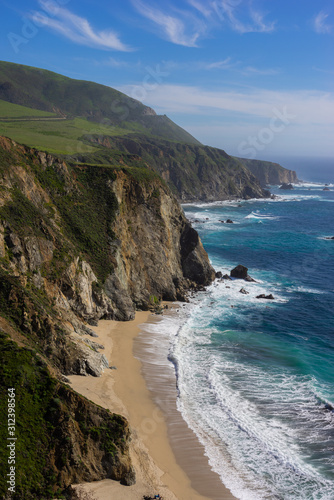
254,77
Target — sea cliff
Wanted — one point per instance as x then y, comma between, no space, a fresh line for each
79,243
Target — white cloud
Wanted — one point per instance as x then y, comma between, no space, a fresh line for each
173,27
320,25
76,28
307,106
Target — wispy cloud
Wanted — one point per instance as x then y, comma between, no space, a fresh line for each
227,12
308,106
225,64
174,28
76,28
320,25
250,70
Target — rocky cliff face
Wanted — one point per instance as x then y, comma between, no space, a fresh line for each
270,173
89,243
193,172
79,243
157,252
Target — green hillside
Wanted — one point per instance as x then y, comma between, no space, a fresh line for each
43,90
9,110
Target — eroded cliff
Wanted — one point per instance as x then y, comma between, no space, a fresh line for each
79,243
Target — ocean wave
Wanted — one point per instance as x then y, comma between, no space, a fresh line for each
249,421
257,215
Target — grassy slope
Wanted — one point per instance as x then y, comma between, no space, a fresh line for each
47,91
58,137
10,110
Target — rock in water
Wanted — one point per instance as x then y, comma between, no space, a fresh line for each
286,186
264,296
219,274
229,221
240,272
250,279
243,291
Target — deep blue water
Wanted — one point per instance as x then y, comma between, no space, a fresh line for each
256,377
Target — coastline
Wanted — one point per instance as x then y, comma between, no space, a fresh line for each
159,455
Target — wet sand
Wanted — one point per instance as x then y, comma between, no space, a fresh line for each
166,454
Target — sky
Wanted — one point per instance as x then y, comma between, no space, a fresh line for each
253,77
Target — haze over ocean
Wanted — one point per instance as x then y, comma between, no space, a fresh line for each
256,377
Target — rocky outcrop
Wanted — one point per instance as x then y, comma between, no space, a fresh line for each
286,187
269,173
240,272
157,252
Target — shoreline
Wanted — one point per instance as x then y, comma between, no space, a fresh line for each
159,455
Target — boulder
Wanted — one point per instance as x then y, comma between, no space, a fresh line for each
243,291
229,221
239,272
264,296
226,277
219,275
250,279
329,238
286,186
326,189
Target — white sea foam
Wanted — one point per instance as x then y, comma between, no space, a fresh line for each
258,215
227,403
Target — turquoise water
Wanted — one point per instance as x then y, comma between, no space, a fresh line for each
256,377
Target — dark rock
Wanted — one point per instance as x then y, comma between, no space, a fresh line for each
92,322
129,478
243,291
250,279
226,277
286,186
264,296
222,221
229,221
329,238
219,274
239,272
112,367
326,189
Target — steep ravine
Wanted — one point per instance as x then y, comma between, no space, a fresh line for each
79,243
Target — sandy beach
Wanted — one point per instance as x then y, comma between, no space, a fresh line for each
166,454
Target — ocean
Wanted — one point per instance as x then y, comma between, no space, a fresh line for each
255,377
